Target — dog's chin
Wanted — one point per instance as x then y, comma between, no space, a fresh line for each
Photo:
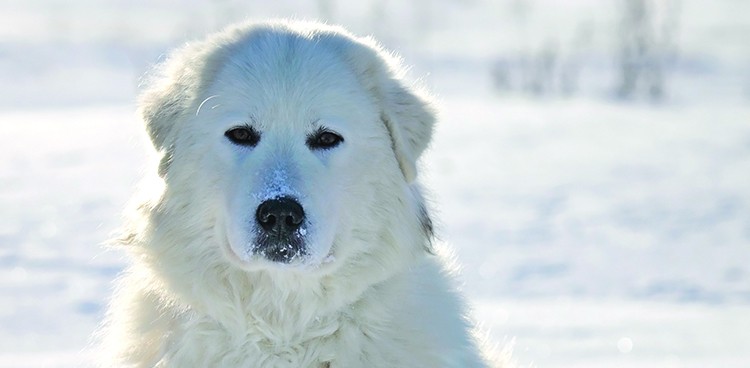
242,257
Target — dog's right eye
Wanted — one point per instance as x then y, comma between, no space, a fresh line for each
244,136
324,139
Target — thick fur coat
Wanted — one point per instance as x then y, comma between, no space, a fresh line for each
295,110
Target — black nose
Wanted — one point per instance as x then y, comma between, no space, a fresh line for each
281,216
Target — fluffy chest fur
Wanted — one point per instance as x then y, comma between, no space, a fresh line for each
392,324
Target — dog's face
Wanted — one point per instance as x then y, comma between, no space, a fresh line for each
289,140
293,147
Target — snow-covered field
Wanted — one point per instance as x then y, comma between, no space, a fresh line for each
593,232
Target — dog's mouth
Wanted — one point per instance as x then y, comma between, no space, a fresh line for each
279,257
281,246
273,251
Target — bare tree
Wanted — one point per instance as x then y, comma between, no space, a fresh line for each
646,45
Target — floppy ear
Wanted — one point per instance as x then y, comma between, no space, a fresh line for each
160,109
172,88
405,110
162,105
409,119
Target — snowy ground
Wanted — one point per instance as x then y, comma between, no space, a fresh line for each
594,233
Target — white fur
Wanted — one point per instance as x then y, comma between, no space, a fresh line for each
372,290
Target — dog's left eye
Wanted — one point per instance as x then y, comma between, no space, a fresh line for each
245,136
324,139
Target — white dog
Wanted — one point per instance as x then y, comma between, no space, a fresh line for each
288,229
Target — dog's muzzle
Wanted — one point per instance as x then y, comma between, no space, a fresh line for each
281,233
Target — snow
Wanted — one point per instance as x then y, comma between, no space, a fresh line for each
583,332
277,185
654,201
593,232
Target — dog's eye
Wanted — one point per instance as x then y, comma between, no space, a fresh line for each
324,139
245,136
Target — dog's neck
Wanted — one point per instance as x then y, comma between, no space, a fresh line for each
280,308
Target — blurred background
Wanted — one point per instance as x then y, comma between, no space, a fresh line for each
591,167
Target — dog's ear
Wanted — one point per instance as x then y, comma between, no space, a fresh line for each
409,119
162,106
405,110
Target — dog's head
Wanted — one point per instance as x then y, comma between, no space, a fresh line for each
296,141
